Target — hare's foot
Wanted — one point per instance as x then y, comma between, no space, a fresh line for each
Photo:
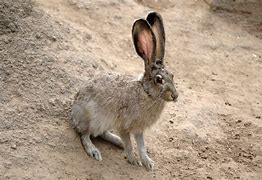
112,138
132,159
90,148
128,148
148,163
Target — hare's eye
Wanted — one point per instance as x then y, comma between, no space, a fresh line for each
159,79
159,62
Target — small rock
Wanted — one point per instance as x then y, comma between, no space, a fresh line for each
203,156
37,36
237,136
94,66
228,104
239,121
170,139
173,114
54,38
258,117
154,176
171,122
13,146
209,177
52,102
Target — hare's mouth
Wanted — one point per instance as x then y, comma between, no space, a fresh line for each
170,96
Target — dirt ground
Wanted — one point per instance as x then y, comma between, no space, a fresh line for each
49,48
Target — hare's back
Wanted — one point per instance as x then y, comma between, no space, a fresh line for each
104,84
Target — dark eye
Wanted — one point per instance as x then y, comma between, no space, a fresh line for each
159,79
159,62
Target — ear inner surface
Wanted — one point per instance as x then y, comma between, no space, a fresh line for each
144,41
145,45
156,22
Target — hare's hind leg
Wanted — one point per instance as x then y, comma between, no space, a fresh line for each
112,138
90,148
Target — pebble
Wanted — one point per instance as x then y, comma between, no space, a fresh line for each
228,104
13,146
37,36
254,55
54,38
239,121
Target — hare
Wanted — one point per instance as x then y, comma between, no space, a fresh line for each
128,105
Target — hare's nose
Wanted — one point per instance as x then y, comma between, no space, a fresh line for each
174,96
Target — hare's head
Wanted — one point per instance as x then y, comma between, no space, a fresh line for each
149,40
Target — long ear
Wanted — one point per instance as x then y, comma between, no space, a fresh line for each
156,22
144,41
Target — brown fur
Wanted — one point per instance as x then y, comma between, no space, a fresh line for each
112,101
121,99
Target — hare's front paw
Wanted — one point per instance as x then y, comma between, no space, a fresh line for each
148,163
134,161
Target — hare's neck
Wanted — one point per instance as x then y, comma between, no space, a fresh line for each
145,84
150,98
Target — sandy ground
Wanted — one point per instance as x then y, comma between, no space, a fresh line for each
49,48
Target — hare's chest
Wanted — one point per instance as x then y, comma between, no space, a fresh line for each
145,117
